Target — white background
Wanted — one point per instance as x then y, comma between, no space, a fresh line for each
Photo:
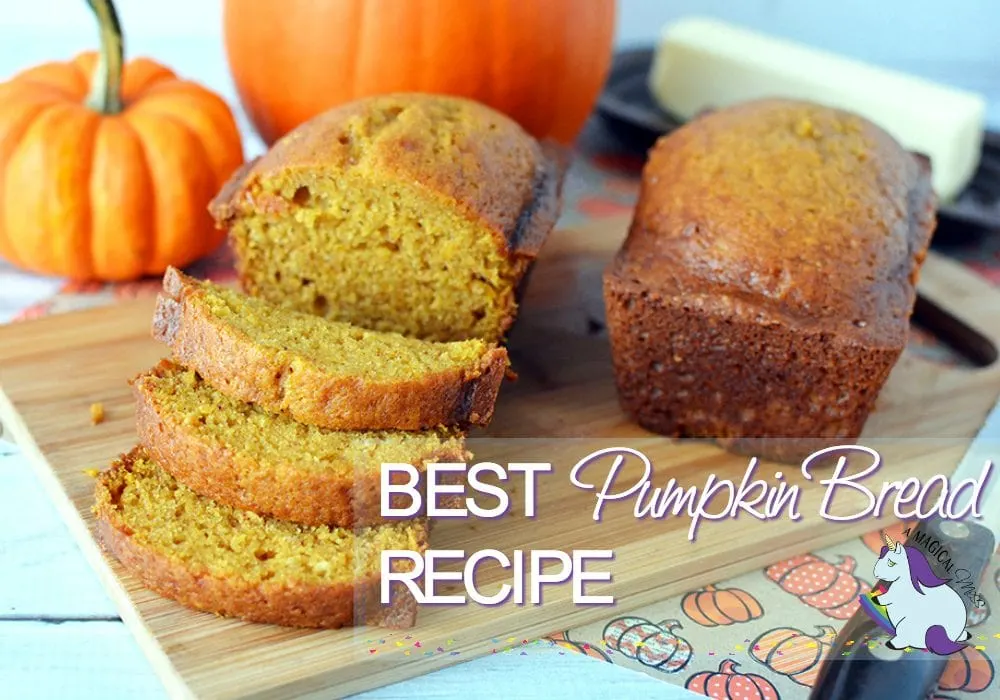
888,30
953,41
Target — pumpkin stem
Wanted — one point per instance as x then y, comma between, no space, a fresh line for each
106,85
847,564
825,632
728,666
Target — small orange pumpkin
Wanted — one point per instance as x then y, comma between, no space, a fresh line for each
969,670
794,653
542,62
106,169
712,607
729,684
562,639
832,589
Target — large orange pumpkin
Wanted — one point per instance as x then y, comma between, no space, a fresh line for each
106,169
541,62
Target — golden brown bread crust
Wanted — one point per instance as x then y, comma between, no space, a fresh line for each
329,607
235,478
506,179
233,364
764,291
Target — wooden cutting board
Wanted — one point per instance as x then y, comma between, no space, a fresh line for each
562,408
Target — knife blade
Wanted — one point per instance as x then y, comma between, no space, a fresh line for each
860,666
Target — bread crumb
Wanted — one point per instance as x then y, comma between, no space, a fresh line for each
92,473
807,129
96,413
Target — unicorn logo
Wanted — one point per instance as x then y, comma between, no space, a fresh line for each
919,609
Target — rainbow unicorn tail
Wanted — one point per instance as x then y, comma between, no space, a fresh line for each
876,612
936,640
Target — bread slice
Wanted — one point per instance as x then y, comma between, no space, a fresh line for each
235,563
243,456
324,373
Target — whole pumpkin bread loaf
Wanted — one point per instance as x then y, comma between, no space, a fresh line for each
245,457
411,213
236,563
764,290
324,373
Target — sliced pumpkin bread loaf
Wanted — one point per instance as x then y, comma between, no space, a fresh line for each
324,373
236,563
413,213
243,456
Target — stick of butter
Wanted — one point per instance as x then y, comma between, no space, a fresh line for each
703,64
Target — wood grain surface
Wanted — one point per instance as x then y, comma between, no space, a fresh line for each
562,407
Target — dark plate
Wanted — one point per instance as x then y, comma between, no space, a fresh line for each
632,113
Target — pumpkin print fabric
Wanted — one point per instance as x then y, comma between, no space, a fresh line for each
793,653
970,670
713,606
830,588
729,684
765,634
561,639
653,644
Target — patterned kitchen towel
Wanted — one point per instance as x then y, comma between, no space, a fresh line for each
763,635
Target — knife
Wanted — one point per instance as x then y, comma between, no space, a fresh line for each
860,666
